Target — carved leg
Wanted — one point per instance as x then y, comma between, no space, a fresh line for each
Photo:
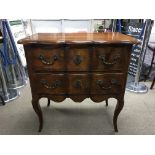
37,109
48,104
119,106
106,102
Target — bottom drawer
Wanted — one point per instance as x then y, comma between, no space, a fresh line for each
107,83
50,83
68,84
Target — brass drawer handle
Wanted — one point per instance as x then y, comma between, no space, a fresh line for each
48,62
53,85
114,61
77,59
78,84
100,83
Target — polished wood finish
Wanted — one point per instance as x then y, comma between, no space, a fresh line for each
58,38
107,83
53,55
113,54
78,83
50,83
78,58
78,66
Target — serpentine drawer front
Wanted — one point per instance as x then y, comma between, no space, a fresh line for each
50,83
78,66
107,84
109,58
47,58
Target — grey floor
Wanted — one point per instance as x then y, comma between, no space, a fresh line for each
86,118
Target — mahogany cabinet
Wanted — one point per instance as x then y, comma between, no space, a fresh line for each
78,66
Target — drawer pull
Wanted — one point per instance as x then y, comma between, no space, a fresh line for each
78,84
100,83
77,59
114,61
48,62
54,84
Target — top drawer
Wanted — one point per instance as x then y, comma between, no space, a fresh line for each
105,57
110,57
47,58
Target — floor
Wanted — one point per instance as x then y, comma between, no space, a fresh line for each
86,118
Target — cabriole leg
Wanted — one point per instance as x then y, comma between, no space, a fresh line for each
119,107
106,101
48,104
37,109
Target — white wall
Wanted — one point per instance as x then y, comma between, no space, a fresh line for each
57,26
76,26
65,25
46,26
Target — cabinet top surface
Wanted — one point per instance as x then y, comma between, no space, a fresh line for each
56,38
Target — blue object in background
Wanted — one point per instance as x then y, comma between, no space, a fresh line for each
6,30
118,25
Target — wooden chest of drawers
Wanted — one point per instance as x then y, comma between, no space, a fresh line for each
78,66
